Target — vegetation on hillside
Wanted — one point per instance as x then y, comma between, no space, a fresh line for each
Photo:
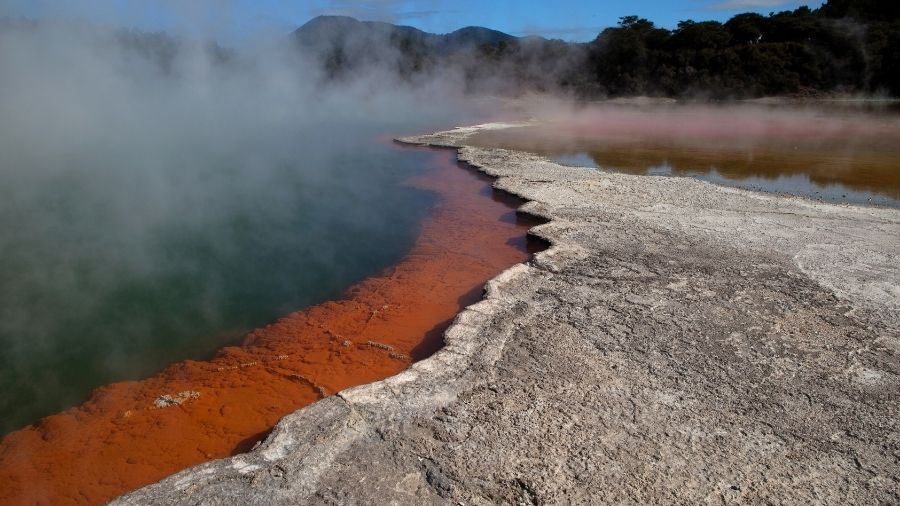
844,47
847,46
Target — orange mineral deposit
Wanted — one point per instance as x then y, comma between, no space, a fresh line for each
130,434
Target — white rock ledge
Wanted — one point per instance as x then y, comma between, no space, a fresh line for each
680,342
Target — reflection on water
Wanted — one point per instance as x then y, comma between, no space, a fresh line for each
833,156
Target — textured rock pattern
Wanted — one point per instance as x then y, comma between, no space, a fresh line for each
679,343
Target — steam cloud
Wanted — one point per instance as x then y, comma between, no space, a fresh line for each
140,171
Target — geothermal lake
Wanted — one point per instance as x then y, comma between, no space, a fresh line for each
831,154
112,269
119,261
133,433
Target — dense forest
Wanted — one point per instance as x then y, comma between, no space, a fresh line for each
844,47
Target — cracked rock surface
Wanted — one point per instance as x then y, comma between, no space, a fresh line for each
680,342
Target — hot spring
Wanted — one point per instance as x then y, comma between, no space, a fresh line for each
157,202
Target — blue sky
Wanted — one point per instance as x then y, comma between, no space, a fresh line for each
566,19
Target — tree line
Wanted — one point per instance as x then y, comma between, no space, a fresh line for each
843,47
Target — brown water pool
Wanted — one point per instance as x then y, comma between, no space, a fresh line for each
832,155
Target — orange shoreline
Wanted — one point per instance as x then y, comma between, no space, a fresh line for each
129,434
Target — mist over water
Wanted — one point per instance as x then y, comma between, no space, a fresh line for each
838,152
159,197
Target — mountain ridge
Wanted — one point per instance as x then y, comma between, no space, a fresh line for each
844,48
472,32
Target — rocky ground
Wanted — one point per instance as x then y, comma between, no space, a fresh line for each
680,342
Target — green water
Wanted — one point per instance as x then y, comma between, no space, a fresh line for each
110,270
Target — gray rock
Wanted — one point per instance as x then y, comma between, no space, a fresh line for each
680,342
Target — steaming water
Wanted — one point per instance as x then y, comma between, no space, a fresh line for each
755,175
103,282
159,197
837,156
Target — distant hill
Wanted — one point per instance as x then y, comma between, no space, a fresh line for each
845,47
471,37
344,44
335,31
